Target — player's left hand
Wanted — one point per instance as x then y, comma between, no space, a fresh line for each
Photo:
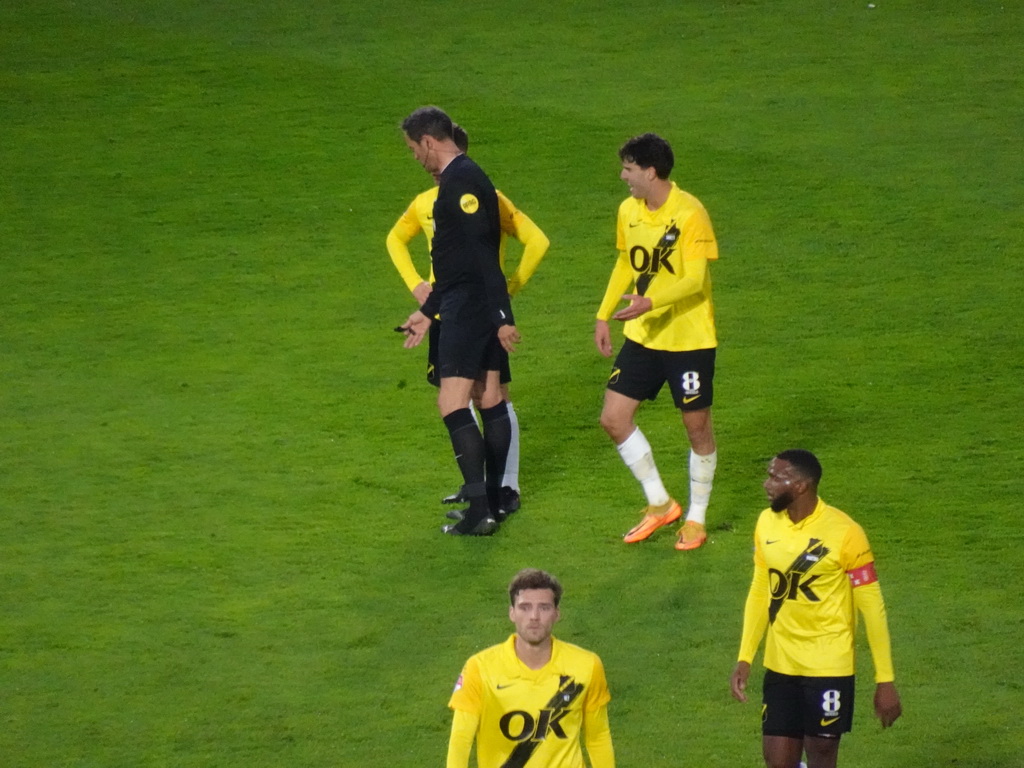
887,703
415,328
509,337
738,681
638,305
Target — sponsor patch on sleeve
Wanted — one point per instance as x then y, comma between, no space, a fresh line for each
458,684
866,574
469,203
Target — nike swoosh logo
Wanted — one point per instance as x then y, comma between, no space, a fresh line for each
825,722
770,541
634,224
690,399
506,685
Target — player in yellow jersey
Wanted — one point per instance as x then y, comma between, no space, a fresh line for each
813,567
529,701
419,218
665,243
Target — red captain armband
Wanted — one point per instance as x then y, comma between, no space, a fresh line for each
866,574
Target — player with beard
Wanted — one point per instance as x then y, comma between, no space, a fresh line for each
813,568
529,701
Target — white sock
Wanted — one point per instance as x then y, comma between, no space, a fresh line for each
636,453
511,478
702,476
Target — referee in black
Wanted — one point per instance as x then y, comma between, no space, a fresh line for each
471,295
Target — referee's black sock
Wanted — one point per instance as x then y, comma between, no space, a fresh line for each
468,444
497,439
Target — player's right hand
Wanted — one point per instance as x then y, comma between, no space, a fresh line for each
603,338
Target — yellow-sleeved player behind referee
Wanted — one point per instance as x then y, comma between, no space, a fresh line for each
813,572
419,218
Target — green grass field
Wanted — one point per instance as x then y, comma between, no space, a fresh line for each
219,538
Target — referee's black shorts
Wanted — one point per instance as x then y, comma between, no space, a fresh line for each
433,369
467,340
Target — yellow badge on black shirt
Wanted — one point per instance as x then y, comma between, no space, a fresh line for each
469,203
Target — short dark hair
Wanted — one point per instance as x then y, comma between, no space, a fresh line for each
804,462
428,121
532,578
649,150
460,137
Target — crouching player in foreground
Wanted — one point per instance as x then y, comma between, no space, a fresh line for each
812,566
528,701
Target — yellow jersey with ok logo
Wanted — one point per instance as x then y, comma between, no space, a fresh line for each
810,567
664,256
531,717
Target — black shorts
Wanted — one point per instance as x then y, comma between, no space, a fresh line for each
467,341
796,706
640,372
433,370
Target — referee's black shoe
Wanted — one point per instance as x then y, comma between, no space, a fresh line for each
458,514
459,497
485,527
508,502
